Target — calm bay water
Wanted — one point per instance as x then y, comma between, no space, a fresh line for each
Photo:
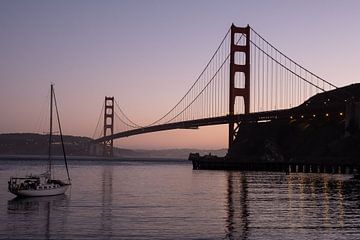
164,200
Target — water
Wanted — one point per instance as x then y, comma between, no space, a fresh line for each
161,200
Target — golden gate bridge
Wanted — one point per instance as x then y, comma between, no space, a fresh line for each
246,79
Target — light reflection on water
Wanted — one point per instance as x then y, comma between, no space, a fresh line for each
171,201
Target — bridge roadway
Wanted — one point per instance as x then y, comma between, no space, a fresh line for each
303,111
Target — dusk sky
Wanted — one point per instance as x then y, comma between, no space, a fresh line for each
148,53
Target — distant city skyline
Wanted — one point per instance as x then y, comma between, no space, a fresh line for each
148,53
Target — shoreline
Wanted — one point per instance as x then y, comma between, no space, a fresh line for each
90,158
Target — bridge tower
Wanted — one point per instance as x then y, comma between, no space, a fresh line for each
108,126
238,70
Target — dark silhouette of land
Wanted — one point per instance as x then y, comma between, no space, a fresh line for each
37,144
332,134
324,131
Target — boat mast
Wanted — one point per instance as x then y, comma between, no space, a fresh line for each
62,140
50,134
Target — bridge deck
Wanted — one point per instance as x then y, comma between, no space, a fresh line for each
302,110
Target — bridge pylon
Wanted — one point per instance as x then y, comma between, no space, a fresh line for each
108,126
242,68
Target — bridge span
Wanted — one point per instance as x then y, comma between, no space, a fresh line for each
286,114
247,79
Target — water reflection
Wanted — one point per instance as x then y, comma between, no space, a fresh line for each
290,204
340,197
107,192
317,200
237,206
40,210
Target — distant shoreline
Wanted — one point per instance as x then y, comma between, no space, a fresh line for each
89,158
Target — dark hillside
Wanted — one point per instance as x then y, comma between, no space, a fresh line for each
37,144
313,137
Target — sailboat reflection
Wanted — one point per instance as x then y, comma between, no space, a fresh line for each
34,203
237,224
38,209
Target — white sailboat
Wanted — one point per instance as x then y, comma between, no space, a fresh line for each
43,184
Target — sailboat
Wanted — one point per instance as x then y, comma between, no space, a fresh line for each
43,184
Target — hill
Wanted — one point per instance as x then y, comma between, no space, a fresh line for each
37,144
329,132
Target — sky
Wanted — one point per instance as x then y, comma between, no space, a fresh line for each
148,53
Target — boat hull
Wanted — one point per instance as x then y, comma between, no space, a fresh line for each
40,192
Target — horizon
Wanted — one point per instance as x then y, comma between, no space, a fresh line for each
91,49
119,147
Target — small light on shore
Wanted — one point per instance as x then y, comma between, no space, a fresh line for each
341,113
327,114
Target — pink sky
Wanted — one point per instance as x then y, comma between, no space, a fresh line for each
148,53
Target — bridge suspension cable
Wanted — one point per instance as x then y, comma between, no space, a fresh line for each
278,82
97,132
292,61
207,97
129,122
